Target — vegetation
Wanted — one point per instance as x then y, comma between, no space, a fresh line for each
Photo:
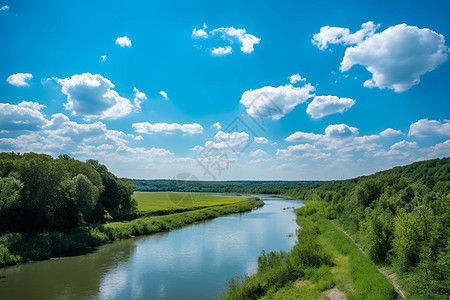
243,187
18,247
149,202
401,218
323,258
39,193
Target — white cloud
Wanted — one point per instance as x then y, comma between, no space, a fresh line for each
60,135
200,33
290,150
275,102
230,34
139,97
261,140
197,148
104,57
164,94
429,128
92,97
23,116
221,51
339,35
389,132
296,78
322,106
404,145
398,56
216,126
229,141
246,40
19,79
257,152
165,128
342,137
4,7
123,41
439,150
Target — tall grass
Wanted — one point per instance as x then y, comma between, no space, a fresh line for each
323,257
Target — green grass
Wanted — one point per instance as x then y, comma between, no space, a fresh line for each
149,202
17,247
323,258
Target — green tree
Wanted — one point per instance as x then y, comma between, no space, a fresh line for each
85,195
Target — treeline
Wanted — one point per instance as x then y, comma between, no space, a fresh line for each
401,218
243,187
39,193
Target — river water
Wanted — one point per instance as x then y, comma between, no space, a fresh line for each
193,262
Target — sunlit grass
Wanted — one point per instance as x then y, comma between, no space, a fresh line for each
163,201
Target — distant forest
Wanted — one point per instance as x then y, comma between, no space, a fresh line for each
237,186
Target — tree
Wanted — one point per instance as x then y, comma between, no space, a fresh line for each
85,195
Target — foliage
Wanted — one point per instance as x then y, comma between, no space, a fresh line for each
401,217
18,247
322,258
39,193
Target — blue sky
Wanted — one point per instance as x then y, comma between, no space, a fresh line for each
296,90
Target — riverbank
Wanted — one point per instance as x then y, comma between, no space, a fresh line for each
324,262
17,248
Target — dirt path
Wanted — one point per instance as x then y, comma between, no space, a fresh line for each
391,277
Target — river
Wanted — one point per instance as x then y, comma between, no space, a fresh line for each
193,262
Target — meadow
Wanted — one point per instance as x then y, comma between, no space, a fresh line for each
156,213
324,261
150,202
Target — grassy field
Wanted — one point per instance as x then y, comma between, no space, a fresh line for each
16,247
324,264
164,201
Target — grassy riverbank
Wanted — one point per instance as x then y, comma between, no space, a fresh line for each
17,247
324,261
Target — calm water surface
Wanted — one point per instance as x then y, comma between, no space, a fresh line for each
194,262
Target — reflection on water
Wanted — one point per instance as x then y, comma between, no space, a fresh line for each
194,262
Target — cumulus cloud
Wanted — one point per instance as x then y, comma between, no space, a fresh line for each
230,34
60,135
389,132
261,140
200,33
164,94
322,106
19,79
228,141
221,51
123,41
216,126
165,128
23,116
257,152
398,56
92,97
139,97
342,137
246,40
340,35
4,7
439,150
429,128
296,78
404,145
290,150
275,102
